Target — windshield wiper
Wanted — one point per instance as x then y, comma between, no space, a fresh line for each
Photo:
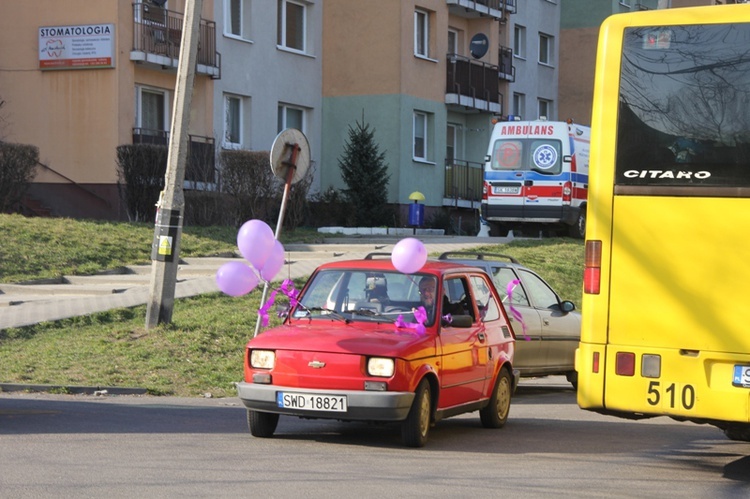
328,311
368,312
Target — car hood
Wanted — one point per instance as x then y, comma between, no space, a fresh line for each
355,338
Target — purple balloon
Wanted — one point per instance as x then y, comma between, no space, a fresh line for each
274,262
236,279
255,241
409,255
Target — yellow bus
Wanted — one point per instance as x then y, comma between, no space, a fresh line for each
666,305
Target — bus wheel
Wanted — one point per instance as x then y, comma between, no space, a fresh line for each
498,230
738,432
578,229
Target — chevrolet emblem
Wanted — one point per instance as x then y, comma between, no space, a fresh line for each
316,364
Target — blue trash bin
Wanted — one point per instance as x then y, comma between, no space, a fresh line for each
416,214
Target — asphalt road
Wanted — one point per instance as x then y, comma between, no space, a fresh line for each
107,446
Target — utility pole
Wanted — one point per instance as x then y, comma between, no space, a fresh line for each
165,254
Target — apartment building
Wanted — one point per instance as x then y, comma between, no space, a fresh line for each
80,78
428,76
271,73
534,34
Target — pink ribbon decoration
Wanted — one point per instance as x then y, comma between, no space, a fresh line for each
287,288
513,310
420,315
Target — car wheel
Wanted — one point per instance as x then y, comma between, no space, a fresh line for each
262,424
416,427
495,414
578,229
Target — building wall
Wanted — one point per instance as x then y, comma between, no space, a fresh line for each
78,117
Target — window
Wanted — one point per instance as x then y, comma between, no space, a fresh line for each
291,25
546,49
234,12
541,294
420,135
545,108
502,277
488,309
519,104
450,142
519,41
232,122
152,111
452,41
421,33
291,117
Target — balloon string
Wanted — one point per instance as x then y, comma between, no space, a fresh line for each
286,288
513,310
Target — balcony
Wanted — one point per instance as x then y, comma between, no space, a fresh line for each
157,35
497,9
201,159
463,183
472,85
506,70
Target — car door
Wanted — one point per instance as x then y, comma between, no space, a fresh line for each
464,350
529,348
560,331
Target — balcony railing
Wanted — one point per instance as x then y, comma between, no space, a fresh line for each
473,84
478,8
157,36
463,180
201,158
506,70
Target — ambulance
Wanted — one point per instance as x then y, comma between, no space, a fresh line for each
536,177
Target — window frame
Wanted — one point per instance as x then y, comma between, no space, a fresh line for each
282,26
519,104
226,142
424,129
548,104
424,27
519,41
283,113
549,45
167,115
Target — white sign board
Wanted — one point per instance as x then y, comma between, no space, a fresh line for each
87,46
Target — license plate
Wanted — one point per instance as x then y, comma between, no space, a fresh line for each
741,376
506,189
311,402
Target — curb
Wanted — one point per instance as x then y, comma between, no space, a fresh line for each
77,390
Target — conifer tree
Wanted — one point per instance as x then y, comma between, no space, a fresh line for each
366,176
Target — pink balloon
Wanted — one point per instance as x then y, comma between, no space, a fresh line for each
255,241
236,279
409,255
274,262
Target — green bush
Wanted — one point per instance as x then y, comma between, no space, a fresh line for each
17,170
140,178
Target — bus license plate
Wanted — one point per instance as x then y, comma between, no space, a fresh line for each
311,402
506,189
741,376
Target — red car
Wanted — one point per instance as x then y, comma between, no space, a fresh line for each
366,342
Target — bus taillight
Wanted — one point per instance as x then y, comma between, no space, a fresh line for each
625,364
592,276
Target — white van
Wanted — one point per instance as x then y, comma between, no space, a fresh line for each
536,176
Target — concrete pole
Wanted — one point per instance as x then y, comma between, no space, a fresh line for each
165,253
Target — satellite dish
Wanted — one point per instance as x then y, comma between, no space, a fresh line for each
479,45
290,149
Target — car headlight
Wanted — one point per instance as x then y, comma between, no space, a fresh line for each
262,359
379,366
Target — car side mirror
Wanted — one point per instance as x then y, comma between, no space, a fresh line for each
462,321
567,306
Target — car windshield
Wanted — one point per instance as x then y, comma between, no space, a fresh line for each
362,295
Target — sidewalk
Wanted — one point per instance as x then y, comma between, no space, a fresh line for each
27,304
